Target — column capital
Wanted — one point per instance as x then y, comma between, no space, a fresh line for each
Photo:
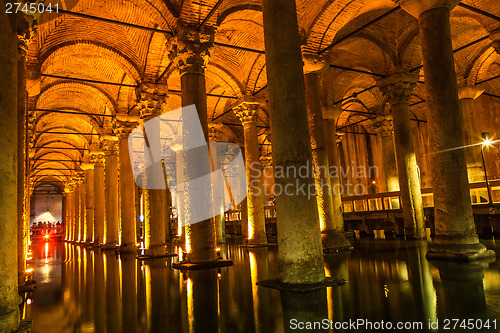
314,63
331,112
397,88
69,187
125,124
109,144
151,99
417,7
266,160
339,137
213,130
86,166
190,48
247,110
469,92
24,33
96,156
383,125
79,177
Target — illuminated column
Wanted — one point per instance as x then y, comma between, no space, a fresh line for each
77,206
128,239
71,204
385,129
167,212
9,298
397,89
330,116
218,191
22,96
331,236
83,204
190,51
153,100
467,94
69,189
97,158
247,113
300,254
456,237
89,202
110,148
179,165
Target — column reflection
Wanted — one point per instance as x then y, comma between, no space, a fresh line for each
460,293
128,291
113,304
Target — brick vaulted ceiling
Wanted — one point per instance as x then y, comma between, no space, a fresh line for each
71,46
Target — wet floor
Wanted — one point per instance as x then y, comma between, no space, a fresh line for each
85,290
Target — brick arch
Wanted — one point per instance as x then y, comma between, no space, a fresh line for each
93,90
87,48
332,16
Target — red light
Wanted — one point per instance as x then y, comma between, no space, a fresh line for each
47,236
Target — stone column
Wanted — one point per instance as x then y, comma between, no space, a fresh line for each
110,148
218,191
97,158
9,298
69,210
167,213
247,113
152,101
300,254
22,96
83,205
385,129
332,239
456,237
330,116
128,237
76,205
89,203
190,51
70,187
467,94
181,230
397,89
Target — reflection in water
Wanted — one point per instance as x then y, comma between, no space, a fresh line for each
89,290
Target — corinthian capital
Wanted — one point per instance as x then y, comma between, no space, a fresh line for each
315,64
383,125
398,87
190,49
246,111
125,124
151,99
213,131
96,156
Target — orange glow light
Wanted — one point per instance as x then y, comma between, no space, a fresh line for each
47,236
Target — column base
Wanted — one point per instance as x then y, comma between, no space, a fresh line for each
9,322
110,246
410,235
278,285
458,249
184,265
334,241
158,251
128,248
179,240
25,326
